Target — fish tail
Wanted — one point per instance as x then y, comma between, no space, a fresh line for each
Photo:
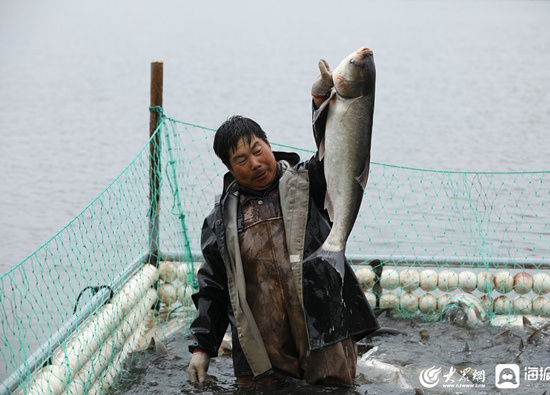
332,263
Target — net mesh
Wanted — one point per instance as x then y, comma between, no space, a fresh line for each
426,244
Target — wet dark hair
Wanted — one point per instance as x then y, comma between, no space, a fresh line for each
231,132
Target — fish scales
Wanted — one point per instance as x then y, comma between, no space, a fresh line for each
347,143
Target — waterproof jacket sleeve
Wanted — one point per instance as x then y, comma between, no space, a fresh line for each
315,165
212,298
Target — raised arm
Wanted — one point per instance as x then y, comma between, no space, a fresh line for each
320,93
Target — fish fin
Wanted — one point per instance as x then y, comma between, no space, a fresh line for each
160,348
321,149
329,207
151,345
323,276
363,177
323,106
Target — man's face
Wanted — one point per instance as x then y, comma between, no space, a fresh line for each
253,165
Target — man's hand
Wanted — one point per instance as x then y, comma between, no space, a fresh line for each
323,84
198,367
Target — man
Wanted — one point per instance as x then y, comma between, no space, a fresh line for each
269,218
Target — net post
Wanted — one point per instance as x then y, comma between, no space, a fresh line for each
154,165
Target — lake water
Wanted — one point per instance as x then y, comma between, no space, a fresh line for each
460,85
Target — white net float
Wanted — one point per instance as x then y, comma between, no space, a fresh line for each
503,305
523,283
389,300
167,294
182,273
390,279
184,295
541,306
523,305
485,282
504,282
408,301
50,380
365,276
409,279
168,272
371,298
428,280
541,283
447,281
427,303
467,281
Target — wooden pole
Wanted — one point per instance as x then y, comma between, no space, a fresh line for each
154,166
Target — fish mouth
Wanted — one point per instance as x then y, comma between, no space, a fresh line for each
360,55
363,52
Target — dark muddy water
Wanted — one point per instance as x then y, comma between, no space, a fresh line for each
462,354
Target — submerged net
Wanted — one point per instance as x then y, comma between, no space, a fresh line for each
422,238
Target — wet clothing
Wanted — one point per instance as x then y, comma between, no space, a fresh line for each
274,302
270,290
253,268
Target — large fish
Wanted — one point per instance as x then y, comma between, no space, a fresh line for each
346,146
346,152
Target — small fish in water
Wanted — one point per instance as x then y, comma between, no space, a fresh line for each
521,345
465,310
424,335
158,347
375,371
385,331
536,334
503,334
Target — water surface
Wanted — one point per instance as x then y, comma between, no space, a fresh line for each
460,85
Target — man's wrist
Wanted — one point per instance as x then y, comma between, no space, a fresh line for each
316,96
196,348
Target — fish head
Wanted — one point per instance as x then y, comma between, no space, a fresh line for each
355,75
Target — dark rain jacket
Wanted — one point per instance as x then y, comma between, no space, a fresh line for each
332,313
